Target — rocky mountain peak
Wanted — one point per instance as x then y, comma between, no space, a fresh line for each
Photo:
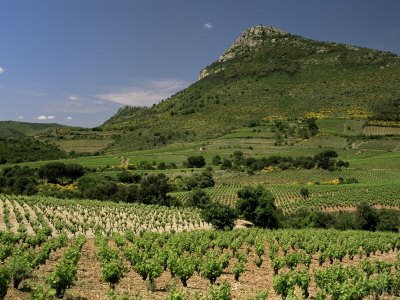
251,38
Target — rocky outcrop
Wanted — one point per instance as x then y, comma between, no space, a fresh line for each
251,38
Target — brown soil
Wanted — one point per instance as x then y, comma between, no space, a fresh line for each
38,276
89,284
3,226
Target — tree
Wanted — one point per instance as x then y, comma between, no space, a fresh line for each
312,126
196,161
226,164
216,160
257,205
202,180
325,159
198,198
74,171
125,177
366,217
53,171
219,215
305,193
154,188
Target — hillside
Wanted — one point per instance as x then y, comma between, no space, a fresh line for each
266,74
15,129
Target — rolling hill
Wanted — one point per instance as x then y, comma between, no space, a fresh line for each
19,129
266,74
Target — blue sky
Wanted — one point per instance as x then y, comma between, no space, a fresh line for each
77,61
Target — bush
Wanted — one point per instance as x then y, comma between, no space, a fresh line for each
304,192
153,189
195,162
219,215
4,280
200,181
389,220
257,205
226,164
366,217
216,160
125,177
52,172
198,198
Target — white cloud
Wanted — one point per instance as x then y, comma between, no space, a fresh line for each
43,118
2,70
208,25
73,98
20,117
69,118
145,95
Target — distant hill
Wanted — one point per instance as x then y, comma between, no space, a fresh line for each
266,74
19,129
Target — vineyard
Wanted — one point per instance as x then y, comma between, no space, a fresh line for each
28,215
248,264
375,130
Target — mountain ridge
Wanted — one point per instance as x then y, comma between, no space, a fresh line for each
10,128
266,73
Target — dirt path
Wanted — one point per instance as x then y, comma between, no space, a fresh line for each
89,284
26,223
13,218
3,226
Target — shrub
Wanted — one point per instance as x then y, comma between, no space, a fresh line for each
257,205
216,160
366,217
52,172
304,192
219,215
226,164
195,161
198,198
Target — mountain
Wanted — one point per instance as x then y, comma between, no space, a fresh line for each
266,74
19,129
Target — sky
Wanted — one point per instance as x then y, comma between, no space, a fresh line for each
76,62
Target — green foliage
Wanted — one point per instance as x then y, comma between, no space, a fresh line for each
388,110
304,192
223,292
55,172
112,266
212,267
21,266
216,160
200,181
4,280
24,149
257,205
198,198
219,215
366,217
65,272
183,267
17,180
195,161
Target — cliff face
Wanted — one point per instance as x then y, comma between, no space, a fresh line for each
252,38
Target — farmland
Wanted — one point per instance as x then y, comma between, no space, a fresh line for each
247,263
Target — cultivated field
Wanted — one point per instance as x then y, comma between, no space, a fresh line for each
294,263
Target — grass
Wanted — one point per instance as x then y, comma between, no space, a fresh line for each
82,145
